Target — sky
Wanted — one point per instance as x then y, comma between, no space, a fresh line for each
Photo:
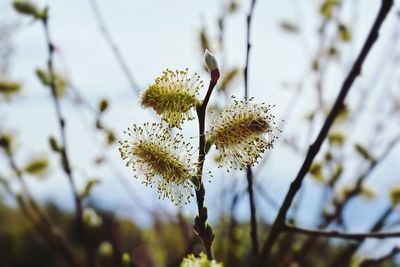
155,35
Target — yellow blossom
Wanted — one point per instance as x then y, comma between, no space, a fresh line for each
159,158
200,261
172,96
242,132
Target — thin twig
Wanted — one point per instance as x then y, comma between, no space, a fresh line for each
115,49
63,145
344,257
336,234
249,173
203,230
377,262
279,223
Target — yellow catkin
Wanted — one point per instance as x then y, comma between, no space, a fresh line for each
200,261
172,96
160,159
242,132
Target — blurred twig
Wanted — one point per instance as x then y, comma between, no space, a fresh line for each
344,256
249,172
335,234
115,49
279,223
63,148
202,228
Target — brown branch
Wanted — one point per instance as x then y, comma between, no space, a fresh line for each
249,173
63,148
336,234
202,228
279,223
379,261
345,256
114,48
359,183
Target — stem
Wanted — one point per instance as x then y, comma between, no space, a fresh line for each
201,227
249,173
63,150
114,48
253,223
335,234
344,257
279,224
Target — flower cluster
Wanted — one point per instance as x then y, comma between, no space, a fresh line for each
159,158
242,132
173,95
200,261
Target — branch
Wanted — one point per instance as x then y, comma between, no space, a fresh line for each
202,228
63,149
336,234
279,223
345,256
249,173
116,51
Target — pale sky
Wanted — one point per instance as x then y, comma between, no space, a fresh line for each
155,35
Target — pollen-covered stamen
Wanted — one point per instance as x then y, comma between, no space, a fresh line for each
158,158
242,132
161,161
241,125
173,95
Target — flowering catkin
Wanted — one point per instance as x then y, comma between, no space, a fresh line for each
158,158
173,95
200,261
242,132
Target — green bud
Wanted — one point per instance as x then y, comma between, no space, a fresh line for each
126,260
208,146
53,144
103,105
289,27
210,233
110,137
37,167
8,88
106,249
395,195
316,171
363,151
26,7
203,213
89,186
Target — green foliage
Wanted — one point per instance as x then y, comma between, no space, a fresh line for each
38,167
89,186
395,195
45,78
289,27
336,138
228,78
7,142
364,152
316,171
28,8
103,105
328,7
54,144
110,137
344,33
9,88
204,41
